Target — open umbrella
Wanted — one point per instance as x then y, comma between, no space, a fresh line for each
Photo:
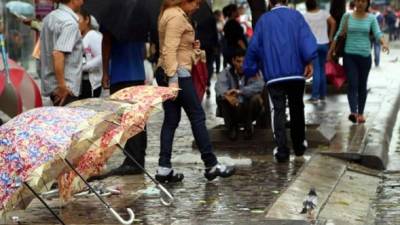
21,8
130,121
34,147
18,91
125,19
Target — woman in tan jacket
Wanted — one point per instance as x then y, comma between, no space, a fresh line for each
177,48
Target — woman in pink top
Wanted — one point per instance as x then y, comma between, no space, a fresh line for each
178,48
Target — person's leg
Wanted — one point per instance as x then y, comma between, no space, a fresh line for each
86,89
364,65
316,82
228,113
196,115
277,95
351,70
377,52
251,112
97,92
322,53
297,120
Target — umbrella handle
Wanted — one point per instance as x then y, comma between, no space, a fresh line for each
4,57
120,219
166,198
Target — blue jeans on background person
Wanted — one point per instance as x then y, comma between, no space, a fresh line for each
319,84
357,70
377,52
188,100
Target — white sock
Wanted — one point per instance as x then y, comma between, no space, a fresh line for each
163,171
220,166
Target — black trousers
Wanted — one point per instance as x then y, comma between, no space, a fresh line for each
136,145
280,93
244,114
86,90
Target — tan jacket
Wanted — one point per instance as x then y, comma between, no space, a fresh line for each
177,36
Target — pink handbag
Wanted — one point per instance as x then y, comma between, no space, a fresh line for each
335,74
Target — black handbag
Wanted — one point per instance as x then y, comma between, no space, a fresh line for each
341,40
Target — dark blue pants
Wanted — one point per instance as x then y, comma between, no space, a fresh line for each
357,69
319,78
188,100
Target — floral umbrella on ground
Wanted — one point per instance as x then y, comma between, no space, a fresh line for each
127,122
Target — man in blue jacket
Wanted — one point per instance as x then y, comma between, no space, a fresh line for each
283,47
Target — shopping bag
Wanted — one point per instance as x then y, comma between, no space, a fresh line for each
200,78
335,74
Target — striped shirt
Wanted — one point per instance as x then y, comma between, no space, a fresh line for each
60,32
358,40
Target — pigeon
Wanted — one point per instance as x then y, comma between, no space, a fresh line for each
310,203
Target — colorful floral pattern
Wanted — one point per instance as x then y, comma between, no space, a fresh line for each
35,138
127,122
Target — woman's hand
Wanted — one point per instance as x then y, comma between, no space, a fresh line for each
173,84
196,45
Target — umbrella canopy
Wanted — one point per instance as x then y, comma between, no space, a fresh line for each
128,121
31,142
21,8
126,20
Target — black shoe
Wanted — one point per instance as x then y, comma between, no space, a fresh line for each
249,132
219,171
282,156
233,134
120,171
208,92
170,178
353,118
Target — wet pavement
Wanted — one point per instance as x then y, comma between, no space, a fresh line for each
238,200
387,202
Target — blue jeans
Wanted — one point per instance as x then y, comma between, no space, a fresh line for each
357,70
377,52
319,77
188,100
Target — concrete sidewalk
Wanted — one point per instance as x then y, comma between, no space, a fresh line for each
345,189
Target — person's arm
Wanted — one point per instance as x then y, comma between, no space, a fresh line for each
379,35
173,34
222,84
307,42
252,59
331,28
106,45
255,85
64,45
95,45
338,32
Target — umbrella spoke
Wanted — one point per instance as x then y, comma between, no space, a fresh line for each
108,206
166,197
44,203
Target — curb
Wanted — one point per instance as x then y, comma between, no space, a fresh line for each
377,140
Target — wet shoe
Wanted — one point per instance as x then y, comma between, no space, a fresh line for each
281,156
249,132
219,171
353,118
361,119
233,134
170,178
313,100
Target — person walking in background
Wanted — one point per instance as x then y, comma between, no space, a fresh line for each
234,33
283,47
320,23
375,42
62,53
123,66
220,29
92,68
239,99
177,48
357,57
390,20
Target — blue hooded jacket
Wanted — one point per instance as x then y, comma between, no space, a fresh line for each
281,47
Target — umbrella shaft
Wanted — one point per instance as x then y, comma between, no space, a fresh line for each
87,184
44,203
